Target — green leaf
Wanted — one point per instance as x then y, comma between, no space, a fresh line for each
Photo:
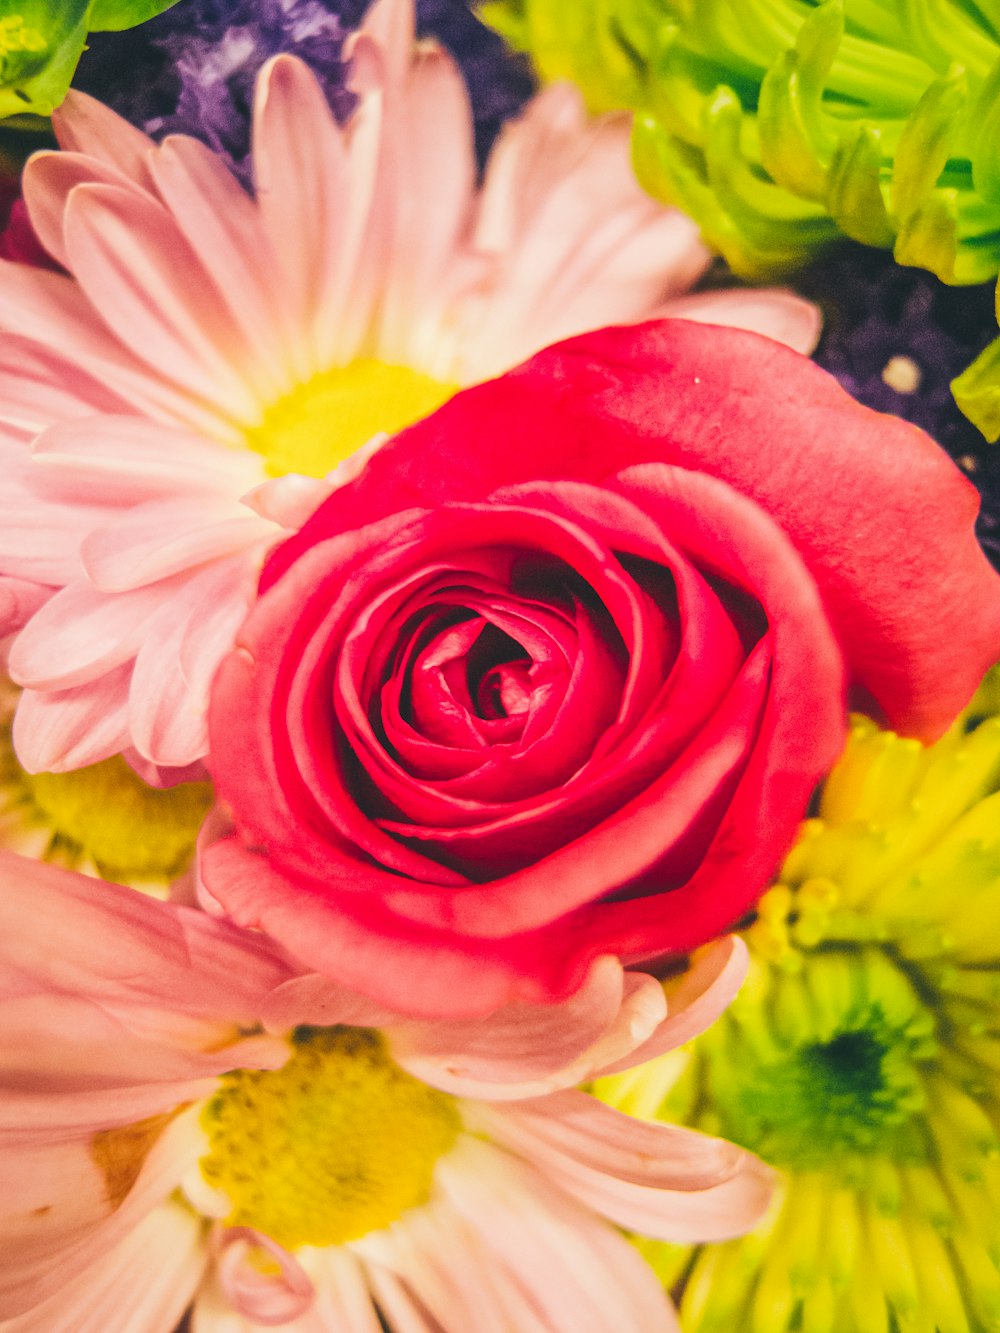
116,15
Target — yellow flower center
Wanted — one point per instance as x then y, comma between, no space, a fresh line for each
107,814
322,422
338,1142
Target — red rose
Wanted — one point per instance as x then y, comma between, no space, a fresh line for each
557,674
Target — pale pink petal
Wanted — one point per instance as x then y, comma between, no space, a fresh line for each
80,635
47,181
291,499
582,1276
400,1306
391,27
39,387
424,1251
51,309
710,984
144,1283
180,653
775,312
577,243
59,730
73,1067
84,125
132,261
224,229
676,1185
343,1300
525,1050
40,539
302,189
119,460
261,1297
41,1256
319,1001
342,1303
429,145
153,541
720,1212
19,600
571,1129
121,948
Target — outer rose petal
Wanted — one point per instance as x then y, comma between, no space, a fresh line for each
881,517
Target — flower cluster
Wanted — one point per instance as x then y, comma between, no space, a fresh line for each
431,598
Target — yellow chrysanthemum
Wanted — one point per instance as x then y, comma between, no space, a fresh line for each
863,1057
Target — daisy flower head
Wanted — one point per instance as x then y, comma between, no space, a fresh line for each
294,1157
862,1058
212,363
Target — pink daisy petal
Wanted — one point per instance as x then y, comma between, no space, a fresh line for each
19,600
179,960
51,309
151,542
301,180
76,1224
80,635
84,125
570,1131
774,312
127,460
38,386
224,229
59,730
179,655
709,985
432,154
526,1050
123,1291
263,1298
577,1269
47,182
131,259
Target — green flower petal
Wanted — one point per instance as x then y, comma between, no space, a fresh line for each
880,118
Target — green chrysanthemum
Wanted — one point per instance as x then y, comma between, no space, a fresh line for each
781,124
862,1058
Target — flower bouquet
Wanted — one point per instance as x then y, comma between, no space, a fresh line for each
500,761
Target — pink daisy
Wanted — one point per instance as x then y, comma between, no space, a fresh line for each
211,363
171,1134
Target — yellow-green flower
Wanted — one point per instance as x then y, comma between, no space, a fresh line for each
863,1057
781,124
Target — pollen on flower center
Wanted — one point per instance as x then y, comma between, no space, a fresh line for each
326,419
836,1071
338,1142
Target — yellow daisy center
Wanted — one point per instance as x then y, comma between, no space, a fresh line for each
338,1142
322,422
107,814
